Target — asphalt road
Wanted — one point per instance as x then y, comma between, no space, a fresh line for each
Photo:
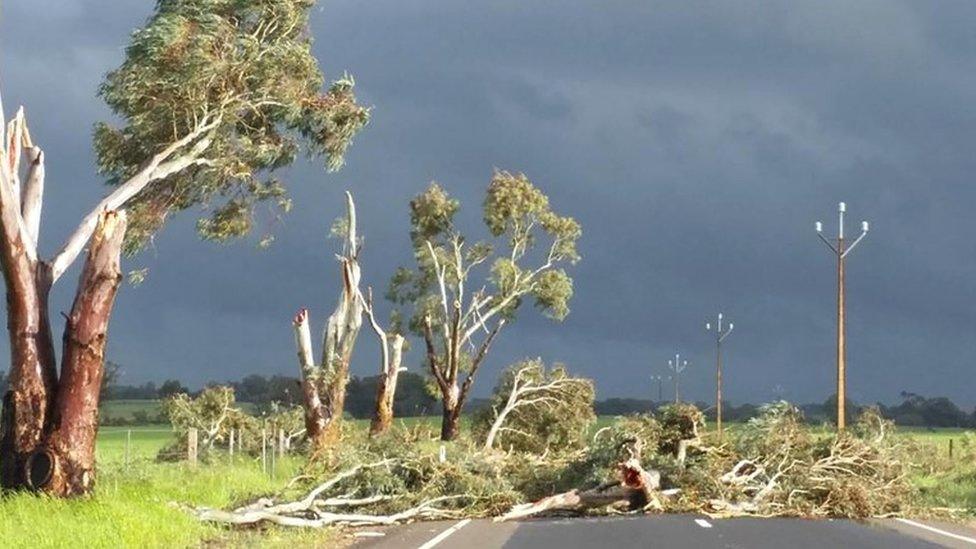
670,531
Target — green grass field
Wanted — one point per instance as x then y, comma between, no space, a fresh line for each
126,408
136,505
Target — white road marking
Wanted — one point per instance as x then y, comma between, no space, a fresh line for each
703,523
443,535
936,530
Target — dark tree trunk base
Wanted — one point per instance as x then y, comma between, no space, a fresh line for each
383,414
450,424
58,456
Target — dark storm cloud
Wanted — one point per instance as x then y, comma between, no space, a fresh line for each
696,143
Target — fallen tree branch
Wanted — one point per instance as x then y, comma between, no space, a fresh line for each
309,518
635,489
308,512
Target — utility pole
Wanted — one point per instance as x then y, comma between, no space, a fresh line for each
720,334
660,381
677,366
841,251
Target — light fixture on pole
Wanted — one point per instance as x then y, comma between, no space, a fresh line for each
841,251
660,382
721,332
677,365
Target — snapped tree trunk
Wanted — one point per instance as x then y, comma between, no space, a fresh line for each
391,354
27,405
65,466
324,385
50,425
315,413
386,387
47,426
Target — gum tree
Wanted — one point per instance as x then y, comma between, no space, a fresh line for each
461,294
212,97
324,382
391,356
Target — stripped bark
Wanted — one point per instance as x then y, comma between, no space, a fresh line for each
391,351
315,418
324,385
33,375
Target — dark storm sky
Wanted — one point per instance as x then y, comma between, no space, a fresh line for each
696,142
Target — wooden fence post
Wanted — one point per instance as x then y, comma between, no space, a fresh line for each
191,446
274,440
128,440
281,443
264,448
231,445
950,448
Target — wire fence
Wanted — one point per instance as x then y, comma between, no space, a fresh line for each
124,447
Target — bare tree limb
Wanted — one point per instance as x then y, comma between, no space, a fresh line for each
478,359
432,356
33,193
159,166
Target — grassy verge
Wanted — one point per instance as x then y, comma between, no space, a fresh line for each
134,505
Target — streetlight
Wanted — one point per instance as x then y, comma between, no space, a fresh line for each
841,252
677,366
720,334
660,381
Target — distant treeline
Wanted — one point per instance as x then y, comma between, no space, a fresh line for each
913,411
413,398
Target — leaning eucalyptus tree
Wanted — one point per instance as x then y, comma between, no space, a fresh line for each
457,324
213,96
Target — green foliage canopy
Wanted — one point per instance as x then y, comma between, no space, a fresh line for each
240,73
557,410
519,217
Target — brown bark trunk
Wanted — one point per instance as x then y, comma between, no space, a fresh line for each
28,402
383,413
65,464
316,419
324,385
324,399
450,420
386,387
337,403
33,375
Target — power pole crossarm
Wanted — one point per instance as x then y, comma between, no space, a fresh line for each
721,332
841,251
677,365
